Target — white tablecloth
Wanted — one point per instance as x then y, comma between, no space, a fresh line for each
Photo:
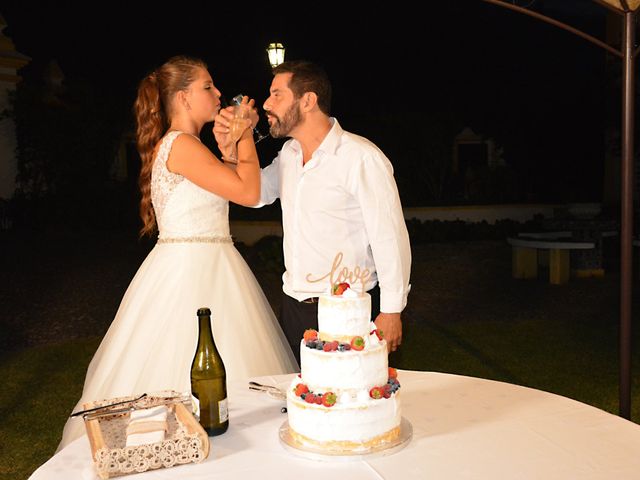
463,428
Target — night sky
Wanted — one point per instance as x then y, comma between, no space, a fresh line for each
540,92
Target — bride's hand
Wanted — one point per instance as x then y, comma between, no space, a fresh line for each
221,130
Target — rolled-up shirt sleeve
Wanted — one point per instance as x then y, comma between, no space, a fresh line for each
377,194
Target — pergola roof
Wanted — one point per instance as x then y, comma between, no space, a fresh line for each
622,5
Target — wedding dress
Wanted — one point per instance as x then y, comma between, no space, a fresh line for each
152,339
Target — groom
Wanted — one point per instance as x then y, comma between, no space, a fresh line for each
337,194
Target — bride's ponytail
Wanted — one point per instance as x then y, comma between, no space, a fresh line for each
152,110
151,123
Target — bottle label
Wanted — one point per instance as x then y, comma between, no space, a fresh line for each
195,406
223,411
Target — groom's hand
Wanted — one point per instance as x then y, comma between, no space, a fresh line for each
391,326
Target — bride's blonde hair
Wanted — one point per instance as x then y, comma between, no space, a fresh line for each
152,110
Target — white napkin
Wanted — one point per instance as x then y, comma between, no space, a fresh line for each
147,426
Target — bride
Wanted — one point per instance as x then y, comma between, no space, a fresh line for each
185,196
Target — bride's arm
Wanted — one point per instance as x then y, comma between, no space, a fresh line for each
194,161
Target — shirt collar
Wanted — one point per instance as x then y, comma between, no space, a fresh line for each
329,144
332,140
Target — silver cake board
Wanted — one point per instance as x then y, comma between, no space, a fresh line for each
304,451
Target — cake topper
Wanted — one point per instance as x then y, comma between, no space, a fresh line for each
339,274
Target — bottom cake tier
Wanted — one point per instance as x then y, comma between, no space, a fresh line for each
353,427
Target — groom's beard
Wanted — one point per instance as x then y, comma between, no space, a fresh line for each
292,118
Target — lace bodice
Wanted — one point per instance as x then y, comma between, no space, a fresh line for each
182,208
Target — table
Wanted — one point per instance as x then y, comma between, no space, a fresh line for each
587,263
525,257
463,428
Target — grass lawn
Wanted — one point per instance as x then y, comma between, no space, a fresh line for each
40,385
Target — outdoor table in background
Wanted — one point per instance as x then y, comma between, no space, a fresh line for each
463,427
551,249
585,263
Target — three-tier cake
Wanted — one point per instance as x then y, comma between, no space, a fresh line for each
346,397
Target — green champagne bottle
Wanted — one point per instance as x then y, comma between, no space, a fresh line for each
209,379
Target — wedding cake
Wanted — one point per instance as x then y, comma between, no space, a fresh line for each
346,398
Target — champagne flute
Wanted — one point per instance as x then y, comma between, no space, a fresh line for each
237,126
237,100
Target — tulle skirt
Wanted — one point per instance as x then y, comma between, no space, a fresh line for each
151,342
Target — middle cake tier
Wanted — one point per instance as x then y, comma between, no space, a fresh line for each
348,371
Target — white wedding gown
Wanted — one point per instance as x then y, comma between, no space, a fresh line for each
152,339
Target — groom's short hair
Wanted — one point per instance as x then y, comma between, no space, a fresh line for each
308,77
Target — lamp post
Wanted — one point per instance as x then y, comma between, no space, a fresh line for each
275,50
627,9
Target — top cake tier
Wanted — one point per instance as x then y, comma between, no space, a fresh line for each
344,317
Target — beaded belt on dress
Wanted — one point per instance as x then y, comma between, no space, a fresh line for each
215,239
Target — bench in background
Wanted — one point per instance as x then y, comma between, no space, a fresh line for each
525,255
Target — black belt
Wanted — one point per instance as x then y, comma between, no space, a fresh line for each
310,300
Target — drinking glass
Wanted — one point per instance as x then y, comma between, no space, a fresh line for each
237,126
258,135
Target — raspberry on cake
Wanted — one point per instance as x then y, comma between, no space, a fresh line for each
300,389
310,335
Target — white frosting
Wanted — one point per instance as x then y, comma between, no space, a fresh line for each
356,421
350,370
343,316
355,418
350,293
373,340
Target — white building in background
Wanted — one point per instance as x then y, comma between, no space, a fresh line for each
10,62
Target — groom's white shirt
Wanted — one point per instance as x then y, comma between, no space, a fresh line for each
344,199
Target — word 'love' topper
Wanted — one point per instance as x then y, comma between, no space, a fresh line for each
340,274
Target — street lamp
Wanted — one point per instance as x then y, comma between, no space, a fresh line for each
275,51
